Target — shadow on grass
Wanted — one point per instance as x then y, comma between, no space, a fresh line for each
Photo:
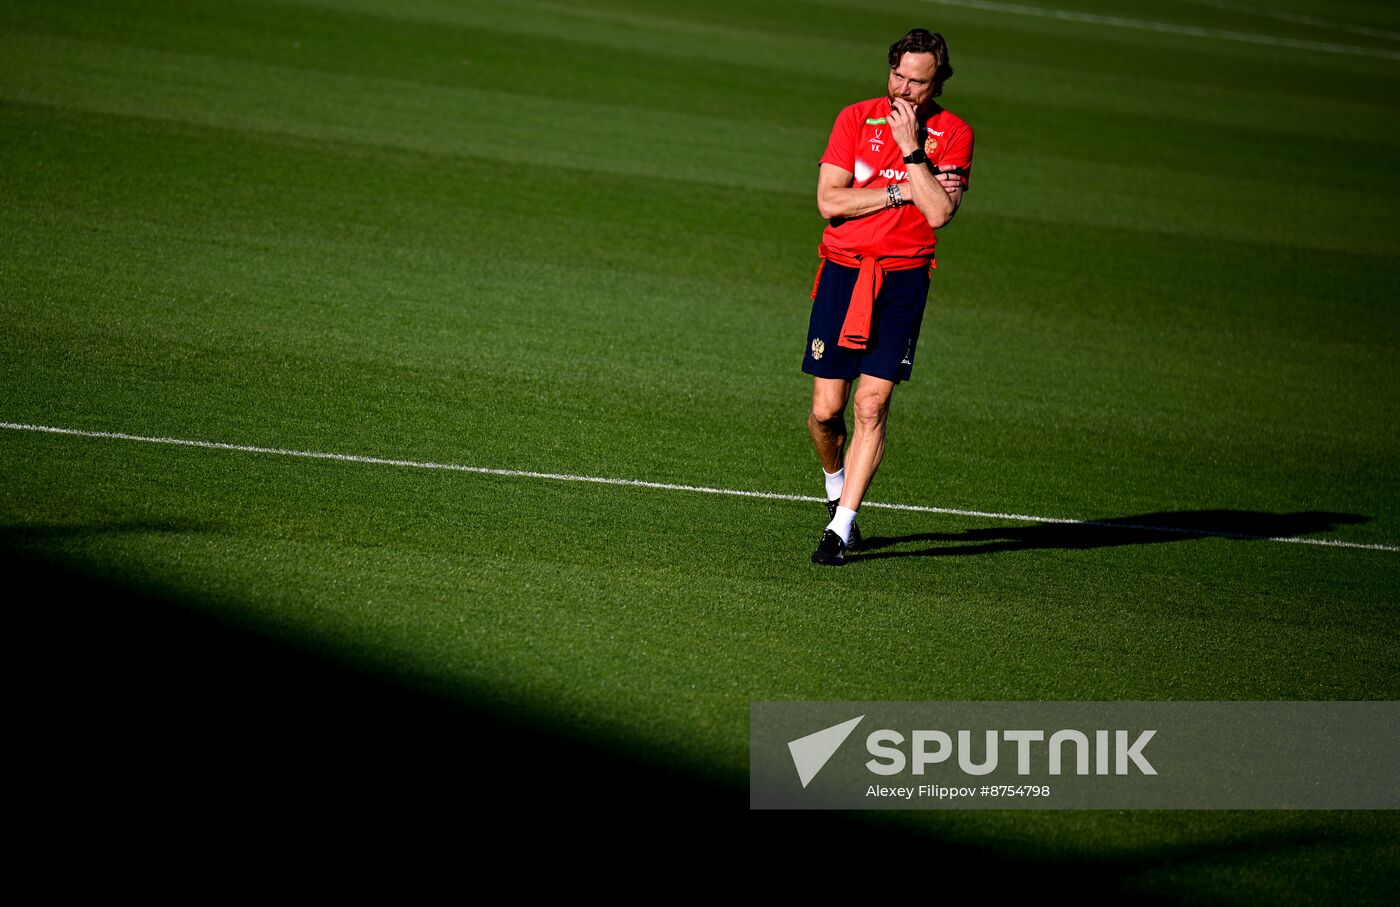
1145,529
141,705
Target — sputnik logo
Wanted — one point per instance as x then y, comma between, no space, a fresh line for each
811,753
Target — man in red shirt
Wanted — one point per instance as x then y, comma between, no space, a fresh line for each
894,170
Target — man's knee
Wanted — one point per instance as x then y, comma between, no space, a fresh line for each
827,412
829,402
872,408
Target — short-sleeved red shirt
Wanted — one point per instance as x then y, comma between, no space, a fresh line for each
861,144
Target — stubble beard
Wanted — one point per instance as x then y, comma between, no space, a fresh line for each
920,110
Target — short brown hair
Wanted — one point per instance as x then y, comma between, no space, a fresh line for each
923,41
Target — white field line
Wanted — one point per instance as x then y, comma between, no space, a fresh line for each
1170,28
1287,16
664,486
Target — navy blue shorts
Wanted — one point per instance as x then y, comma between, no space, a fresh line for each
894,325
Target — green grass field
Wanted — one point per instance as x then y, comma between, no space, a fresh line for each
579,239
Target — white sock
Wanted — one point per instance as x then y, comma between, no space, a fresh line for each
835,483
841,523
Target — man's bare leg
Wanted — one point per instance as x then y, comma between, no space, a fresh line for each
867,448
826,422
827,425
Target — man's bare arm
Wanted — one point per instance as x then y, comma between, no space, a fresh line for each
935,193
945,181
836,197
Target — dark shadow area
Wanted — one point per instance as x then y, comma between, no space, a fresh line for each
1144,529
149,727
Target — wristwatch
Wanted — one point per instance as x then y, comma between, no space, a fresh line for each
917,156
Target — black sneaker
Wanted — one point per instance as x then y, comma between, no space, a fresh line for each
831,551
855,541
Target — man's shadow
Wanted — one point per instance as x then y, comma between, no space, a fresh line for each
1143,529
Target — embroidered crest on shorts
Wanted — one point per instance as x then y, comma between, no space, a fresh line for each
818,347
